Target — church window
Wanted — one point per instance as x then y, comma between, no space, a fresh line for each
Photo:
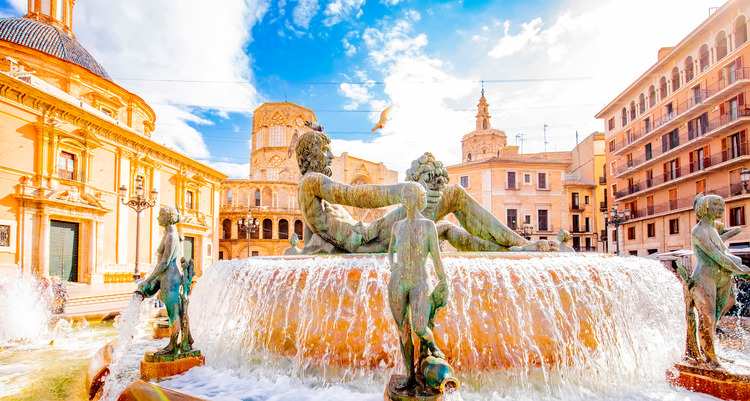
229,197
468,157
257,197
277,136
274,168
283,229
358,181
484,124
226,229
267,229
299,229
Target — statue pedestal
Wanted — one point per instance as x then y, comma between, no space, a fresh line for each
420,393
718,383
160,366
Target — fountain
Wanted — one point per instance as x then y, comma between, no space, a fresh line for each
518,325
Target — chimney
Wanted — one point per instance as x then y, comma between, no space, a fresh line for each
663,52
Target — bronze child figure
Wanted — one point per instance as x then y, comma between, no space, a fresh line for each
412,304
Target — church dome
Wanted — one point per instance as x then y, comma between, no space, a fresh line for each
49,39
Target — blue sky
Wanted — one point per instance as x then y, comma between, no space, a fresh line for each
204,66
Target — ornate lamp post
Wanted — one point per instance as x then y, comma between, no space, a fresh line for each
745,177
525,230
138,203
248,225
616,219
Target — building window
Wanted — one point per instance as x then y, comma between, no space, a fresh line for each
611,123
651,230
542,220
647,150
587,224
276,135
299,229
631,233
700,187
257,197
512,218
612,145
541,181
527,178
221,255
464,180
527,219
511,183
254,253
229,197
67,165
226,229
737,216
189,200
283,229
576,223
267,229
674,226
4,235
672,169
673,199
586,200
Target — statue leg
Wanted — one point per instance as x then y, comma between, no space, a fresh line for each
464,241
419,300
398,301
705,302
172,304
692,351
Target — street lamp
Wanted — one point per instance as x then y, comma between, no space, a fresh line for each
616,219
248,225
745,177
138,203
525,230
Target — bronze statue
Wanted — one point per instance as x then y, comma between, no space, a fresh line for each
172,281
412,303
330,228
293,242
709,287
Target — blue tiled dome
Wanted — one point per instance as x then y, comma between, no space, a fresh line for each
48,39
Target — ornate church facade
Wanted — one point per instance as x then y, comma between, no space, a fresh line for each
270,192
71,139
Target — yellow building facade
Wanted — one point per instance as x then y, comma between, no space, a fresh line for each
681,129
71,138
535,194
270,192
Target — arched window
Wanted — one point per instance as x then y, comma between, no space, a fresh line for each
651,96
283,229
274,168
721,45
641,103
257,197
675,79
703,61
299,229
740,31
468,157
226,229
663,88
632,110
241,234
689,69
267,229
624,116
229,197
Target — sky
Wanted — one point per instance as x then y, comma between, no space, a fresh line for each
204,66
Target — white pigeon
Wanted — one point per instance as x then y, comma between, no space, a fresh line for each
385,116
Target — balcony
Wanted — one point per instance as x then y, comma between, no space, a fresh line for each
64,174
584,248
714,127
602,206
602,180
708,162
667,119
687,202
577,207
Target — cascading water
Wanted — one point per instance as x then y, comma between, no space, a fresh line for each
128,323
24,310
515,323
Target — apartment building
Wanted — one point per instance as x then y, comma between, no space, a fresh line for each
678,130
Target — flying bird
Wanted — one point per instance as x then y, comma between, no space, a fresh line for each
385,116
314,126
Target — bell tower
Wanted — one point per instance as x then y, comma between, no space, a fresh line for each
483,116
58,13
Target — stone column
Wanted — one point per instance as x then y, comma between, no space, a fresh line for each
122,211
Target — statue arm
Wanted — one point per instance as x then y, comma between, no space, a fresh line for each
729,233
437,261
479,221
364,196
717,255
390,247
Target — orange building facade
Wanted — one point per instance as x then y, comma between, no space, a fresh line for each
535,194
71,137
681,129
270,192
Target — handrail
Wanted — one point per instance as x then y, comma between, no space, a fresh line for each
724,192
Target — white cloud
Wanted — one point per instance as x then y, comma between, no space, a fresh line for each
304,12
150,46
511,44
358,94
337,10
233,170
